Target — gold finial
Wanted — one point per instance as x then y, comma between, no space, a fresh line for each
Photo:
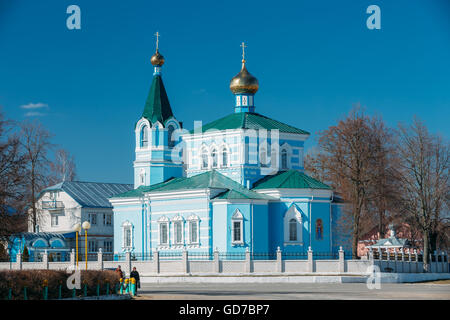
243,51
157,40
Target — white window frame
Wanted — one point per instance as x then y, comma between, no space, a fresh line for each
244,101
108,246
194,219
178,220
214,152
54,218
127,225
237,218
238,101
204,152
144,129
293,213
92,243
161,221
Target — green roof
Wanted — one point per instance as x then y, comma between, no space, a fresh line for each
157,106
291,179
210,179
248,120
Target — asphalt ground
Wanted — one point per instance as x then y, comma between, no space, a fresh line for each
438,290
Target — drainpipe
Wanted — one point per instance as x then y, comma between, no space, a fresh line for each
310,223
252,204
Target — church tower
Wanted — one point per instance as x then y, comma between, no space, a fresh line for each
157,158
244,86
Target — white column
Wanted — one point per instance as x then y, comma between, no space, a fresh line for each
45,260
100,259
18,261
310,260
341,260
72,257
279,260
127,268
156,260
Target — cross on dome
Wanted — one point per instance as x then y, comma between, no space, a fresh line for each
243,46
157,40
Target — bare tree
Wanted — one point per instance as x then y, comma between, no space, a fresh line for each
12,182
344,161
424,180
36,143
62,168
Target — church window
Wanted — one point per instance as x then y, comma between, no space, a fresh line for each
237,227
127,240
93,246
164,233
214,158
224,157
284,159
292,230
93,218
319,229
293,226
238,101
244,100
204,159
250,100
193,231
171,141
144,137
178,232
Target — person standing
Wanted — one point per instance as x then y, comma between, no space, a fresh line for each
119,272
134,274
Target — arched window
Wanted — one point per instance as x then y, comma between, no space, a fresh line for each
293,230
237,231
193,226
171,141
127,240
284,159
263,157
319,229
204,159
224,157
293,234
144,136
214,158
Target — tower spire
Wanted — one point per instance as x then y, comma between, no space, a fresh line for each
157,40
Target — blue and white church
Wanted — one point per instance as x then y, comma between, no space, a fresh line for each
232,185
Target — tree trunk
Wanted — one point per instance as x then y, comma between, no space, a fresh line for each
426,250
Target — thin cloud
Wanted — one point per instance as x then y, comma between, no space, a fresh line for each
34,114
38,105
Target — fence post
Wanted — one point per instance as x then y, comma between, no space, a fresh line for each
341,260
216,261
247,261
279,261
156,260
185,260
416,260
100,258
310,260
45,259
395,260
19,261
442,261
72,257
127,262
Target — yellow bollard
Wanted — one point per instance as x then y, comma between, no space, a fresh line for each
133,286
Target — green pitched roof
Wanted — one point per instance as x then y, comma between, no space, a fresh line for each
291,179
210,179
157,106
249,120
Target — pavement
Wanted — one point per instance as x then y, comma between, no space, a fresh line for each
439,290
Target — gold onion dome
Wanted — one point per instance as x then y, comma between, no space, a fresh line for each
157,59
244,82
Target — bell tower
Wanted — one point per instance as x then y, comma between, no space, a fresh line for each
157,158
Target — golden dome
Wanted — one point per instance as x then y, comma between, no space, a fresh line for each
244,82
157,59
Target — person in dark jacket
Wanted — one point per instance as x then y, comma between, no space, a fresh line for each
119,272
134,274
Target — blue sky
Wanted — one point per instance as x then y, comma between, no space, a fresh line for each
314,60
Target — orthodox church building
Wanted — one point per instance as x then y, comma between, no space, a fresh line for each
234,184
